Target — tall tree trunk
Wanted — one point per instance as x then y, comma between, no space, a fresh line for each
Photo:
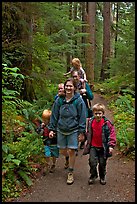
68,56
90,51
116,33
84,20
26,67
75,18
106,41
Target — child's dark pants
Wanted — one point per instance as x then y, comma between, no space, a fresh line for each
96,157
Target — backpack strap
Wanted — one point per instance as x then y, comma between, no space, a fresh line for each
75,102
60,101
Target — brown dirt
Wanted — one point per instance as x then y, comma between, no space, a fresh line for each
120,185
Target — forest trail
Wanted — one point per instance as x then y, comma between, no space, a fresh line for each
120,177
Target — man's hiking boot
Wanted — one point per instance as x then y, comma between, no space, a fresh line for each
52,169
70,178
103,181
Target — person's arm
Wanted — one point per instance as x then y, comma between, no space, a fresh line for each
112,137
81,107
71,70
85,77
89,93
67,73
84,74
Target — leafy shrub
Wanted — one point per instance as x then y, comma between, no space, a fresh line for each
124,116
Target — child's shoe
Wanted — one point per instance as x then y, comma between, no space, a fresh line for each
103,181
92,180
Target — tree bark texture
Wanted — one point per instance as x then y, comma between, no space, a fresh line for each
106,41
90,51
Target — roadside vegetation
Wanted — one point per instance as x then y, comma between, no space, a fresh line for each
119,91
22,150
39,39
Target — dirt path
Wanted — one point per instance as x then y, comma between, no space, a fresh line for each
120,185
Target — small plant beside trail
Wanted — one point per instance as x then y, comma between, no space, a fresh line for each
124,116
21,145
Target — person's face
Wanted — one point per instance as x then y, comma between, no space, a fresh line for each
98,115
75,76
61,90
69,87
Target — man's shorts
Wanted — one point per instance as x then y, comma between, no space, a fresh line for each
69,140
51,151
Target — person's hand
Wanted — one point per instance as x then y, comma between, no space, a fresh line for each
82,91
51,134
86,142
110,150
42,124
81,137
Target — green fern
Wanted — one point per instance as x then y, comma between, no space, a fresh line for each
25,177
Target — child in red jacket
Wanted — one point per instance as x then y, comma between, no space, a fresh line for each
101,139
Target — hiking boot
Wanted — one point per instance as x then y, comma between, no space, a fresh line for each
52,169
92,180
102,181
70,178
66,164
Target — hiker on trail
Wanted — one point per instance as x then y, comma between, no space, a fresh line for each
86,94
101,140
61,91
77,66
88,97
68,119
50,144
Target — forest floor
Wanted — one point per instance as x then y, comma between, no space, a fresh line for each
120,186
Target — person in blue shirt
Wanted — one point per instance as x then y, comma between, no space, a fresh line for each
61,93
69,122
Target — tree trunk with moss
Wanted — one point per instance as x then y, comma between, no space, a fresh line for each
106,42
90,51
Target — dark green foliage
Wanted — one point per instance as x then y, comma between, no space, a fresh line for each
121,93
120,84
125,46
124,115
20,141
37,37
